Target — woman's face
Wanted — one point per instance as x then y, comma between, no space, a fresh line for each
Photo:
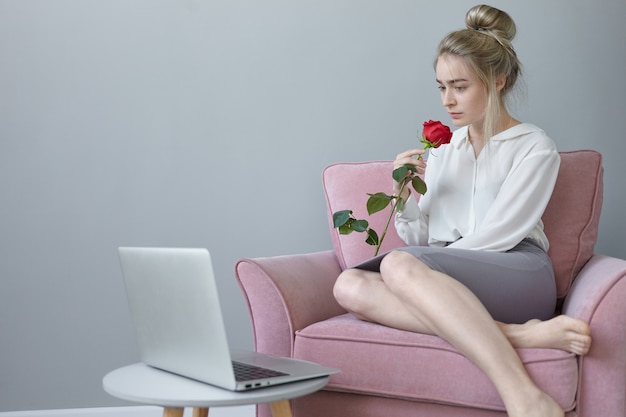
462,93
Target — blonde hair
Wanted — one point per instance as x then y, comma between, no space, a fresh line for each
485,45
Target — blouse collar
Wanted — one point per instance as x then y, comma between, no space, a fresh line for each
460,136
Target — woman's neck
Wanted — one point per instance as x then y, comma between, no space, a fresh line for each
476,139
475,132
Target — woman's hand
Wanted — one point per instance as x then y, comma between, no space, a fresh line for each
412,157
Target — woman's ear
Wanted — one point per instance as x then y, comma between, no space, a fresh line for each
500,82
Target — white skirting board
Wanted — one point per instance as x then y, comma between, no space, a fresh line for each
134,411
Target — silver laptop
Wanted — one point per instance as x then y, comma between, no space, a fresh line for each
176,313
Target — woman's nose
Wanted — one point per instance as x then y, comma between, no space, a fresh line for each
447,98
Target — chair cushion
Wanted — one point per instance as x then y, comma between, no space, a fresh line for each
570,220
378,360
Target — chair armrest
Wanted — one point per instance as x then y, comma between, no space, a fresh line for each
286,294
598,296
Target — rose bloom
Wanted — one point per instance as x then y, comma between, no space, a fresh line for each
435,134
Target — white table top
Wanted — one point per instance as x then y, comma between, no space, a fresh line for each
146,385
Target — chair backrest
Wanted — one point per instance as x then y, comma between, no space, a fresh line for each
570,220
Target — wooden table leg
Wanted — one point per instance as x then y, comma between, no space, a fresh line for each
173,412
281,409
200,412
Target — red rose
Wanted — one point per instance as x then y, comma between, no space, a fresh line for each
435,134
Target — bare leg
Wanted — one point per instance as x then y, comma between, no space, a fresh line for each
409,295
561,332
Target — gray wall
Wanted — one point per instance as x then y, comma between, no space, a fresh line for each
207,123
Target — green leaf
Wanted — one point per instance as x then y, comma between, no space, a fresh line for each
377,202
372,237
359,225
345,230
418,185
340,218
399,173
400,204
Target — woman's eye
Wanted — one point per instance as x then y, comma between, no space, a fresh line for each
441,88
459,88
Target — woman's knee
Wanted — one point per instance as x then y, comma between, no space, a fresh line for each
397,262
400,269
346,287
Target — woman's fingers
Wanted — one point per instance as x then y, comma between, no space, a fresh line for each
410,157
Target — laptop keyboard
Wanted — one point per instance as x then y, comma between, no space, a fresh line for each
246,372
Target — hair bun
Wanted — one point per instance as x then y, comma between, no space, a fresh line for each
487,18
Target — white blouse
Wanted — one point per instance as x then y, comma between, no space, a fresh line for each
489,203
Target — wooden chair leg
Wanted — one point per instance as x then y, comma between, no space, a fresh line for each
173,412
200,412
281,409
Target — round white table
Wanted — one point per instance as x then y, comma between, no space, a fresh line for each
146,385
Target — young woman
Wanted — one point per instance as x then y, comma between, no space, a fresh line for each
476,272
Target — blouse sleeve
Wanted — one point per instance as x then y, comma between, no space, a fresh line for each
517,209
412,222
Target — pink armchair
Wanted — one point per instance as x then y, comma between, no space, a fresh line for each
388,372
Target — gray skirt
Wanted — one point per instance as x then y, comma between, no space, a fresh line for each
515,286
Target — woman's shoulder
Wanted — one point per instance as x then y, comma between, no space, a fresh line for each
530,134
520,129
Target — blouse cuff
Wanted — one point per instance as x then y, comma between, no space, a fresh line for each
410,212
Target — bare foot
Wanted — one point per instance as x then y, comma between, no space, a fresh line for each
561,332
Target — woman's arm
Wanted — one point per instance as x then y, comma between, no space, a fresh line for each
412,222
